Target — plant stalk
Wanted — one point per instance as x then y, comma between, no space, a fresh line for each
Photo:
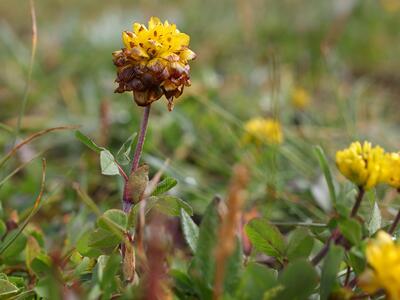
357,204
336,236
395,223
127,195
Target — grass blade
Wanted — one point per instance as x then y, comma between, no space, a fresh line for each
323,162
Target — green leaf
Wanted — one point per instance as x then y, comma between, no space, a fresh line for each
300,244
330,270
124,153
323,162
3,228
233,269
41,264
16,247
351,230
172,206
164,186
108,281
31,251
7,289
203,265
190,230
256,279
375,223
88,141
114,221
85,266
299,280
183,285
48,288
18,281
108,164
133,214
266,238
138,181
103,239
83,247
357,259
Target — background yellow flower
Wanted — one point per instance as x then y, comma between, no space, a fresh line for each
263,131
361,164
391,170
300,98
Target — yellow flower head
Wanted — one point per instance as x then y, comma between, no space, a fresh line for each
361,164
383,257
391,170
300,98
153,62
259,131
391,6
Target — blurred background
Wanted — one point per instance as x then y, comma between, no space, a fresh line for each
254,57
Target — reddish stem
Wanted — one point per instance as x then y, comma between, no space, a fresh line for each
336,236
395,223
127,196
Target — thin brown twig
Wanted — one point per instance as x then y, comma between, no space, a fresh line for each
32,137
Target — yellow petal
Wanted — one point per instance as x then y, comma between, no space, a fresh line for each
137,27
170,56
153,22
127,38
187,54
138,52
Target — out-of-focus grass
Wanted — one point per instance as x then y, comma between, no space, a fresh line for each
251,54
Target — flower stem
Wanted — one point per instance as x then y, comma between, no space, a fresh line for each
324,251
395,223
336,236
127,197
142,136
357,204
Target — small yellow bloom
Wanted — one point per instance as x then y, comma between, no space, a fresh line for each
259,131
391,170
153,62
300,98
383,257
391,6
361,164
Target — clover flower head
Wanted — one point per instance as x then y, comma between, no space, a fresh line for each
263,131
383,257
391,170
361,164
153,62
300,98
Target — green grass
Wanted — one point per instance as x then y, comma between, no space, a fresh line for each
251,54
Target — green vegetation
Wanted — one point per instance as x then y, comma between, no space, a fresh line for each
215,215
